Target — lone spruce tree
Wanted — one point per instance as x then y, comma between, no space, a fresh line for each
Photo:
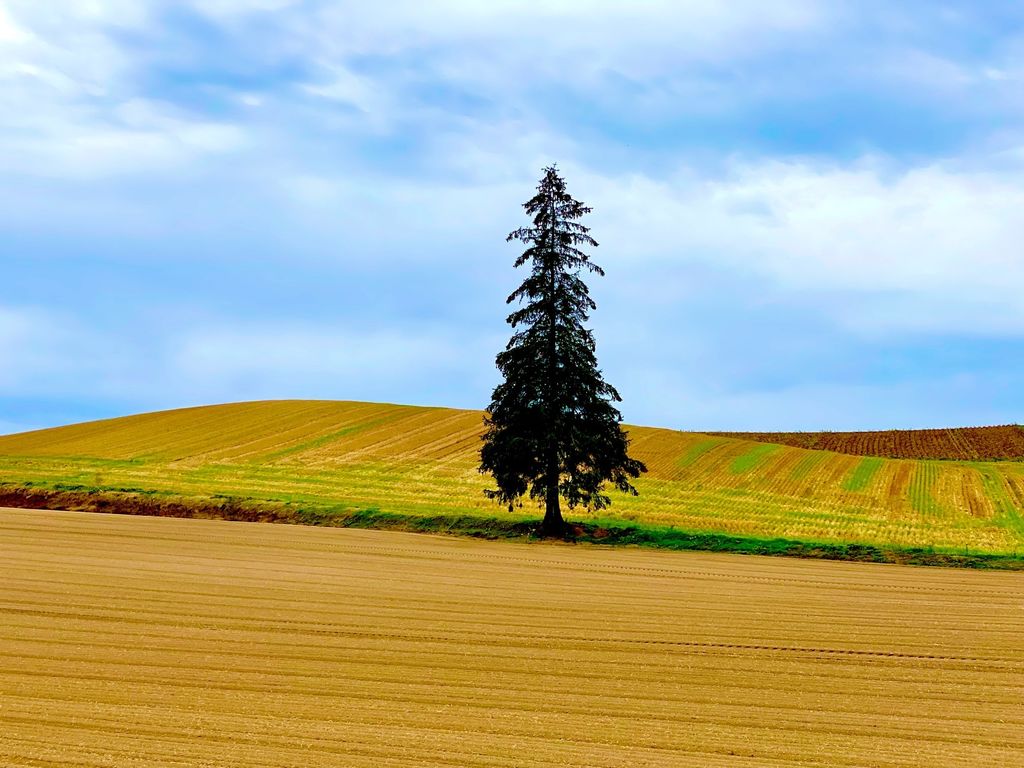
552,428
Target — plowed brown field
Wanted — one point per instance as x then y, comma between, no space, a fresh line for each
131,641
1003,443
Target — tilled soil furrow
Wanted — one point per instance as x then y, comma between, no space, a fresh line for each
156,642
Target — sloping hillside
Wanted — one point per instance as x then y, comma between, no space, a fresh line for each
423,461
1002,443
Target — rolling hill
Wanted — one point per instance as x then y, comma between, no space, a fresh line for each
410,460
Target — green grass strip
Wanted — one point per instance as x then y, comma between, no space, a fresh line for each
861,476
996,490
481,526
922,480
753,458
698,449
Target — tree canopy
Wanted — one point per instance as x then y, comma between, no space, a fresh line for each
553,430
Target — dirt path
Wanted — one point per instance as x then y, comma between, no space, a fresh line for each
131,641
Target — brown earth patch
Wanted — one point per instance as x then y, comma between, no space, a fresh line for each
168,643
1005,442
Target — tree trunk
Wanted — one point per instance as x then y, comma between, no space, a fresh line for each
553,524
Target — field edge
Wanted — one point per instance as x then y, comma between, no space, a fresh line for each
598,532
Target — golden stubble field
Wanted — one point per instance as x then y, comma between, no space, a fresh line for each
130,641
350,456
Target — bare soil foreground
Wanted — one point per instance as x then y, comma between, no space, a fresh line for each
131,641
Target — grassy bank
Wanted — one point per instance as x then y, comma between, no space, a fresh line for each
604,533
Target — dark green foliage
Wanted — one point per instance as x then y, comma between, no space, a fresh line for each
553,429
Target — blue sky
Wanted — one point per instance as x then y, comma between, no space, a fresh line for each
811,214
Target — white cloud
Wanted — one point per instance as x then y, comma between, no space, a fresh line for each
9,31
401,221
72,103
70,42
931,248
609,31
369,97
229,9
92,151
503,50
868,245
923,69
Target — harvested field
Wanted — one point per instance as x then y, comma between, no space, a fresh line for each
340,457
158,642
1002,443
